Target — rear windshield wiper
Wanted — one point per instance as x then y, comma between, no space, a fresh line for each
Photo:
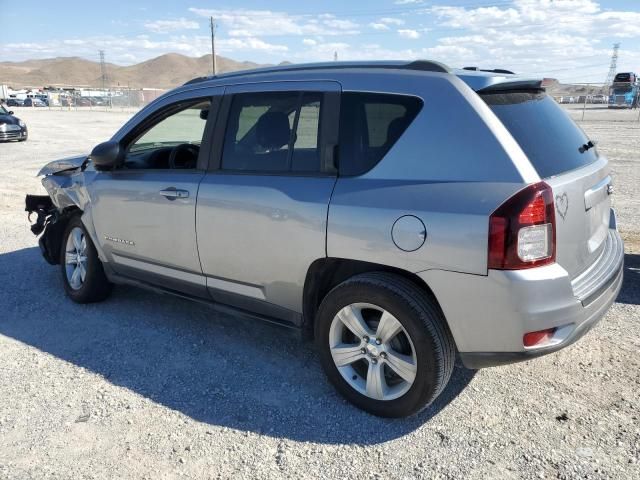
583,148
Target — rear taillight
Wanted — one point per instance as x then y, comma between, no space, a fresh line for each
522,231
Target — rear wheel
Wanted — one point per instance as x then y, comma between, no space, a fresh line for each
82,273
384,344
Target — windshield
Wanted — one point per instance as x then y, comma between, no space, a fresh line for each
544,131
621,90
3,111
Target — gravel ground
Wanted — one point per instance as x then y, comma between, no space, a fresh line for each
149,386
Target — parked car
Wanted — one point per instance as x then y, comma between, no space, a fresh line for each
15,102
82,102
34,102
600,99
399,213
98,101
11,127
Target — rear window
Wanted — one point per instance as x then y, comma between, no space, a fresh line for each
370,124
545,132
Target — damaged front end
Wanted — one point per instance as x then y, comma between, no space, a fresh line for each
65,183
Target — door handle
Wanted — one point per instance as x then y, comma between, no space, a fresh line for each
172,193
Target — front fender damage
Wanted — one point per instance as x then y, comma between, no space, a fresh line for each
66,185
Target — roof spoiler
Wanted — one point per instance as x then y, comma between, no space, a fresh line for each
495,70
531,84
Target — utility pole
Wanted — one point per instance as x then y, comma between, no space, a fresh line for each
335,56
213,46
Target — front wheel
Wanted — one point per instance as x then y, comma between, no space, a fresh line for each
82,273
384,344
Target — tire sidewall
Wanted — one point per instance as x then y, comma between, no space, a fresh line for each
94,268
424,388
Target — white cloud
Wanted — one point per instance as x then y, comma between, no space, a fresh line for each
127,50
309,42
408,2
244,22
379,26
166,26
570,39
391,21
249,44
407,33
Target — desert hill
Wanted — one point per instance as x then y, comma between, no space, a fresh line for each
165,71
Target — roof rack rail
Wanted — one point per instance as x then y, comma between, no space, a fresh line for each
495,70
420,65
197,80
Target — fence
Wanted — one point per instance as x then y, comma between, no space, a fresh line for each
83,98
595,102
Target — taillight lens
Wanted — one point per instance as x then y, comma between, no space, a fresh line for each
522,231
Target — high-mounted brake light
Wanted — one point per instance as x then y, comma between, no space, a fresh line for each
522,231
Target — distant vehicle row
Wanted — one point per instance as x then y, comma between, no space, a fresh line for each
64,102
594,99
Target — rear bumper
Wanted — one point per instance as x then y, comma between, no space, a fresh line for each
489,315
491,359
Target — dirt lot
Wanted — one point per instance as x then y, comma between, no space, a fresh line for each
147,386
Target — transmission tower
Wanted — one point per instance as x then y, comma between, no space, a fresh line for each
614,65
103,69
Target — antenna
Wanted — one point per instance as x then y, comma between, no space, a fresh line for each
614,65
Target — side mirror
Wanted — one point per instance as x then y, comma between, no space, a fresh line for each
10,112
106,156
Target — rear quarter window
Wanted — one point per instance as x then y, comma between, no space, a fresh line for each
544,131
370,124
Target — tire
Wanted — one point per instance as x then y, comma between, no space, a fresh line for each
423,340
95,286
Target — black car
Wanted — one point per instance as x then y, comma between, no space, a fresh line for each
11,128
15,102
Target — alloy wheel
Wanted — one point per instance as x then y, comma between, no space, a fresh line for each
372,351
76,258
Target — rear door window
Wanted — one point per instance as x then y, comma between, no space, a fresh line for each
370,124
274,132
544,131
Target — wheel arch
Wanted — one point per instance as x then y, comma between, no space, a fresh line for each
326,273
51,240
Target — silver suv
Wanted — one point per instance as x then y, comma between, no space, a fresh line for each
400,213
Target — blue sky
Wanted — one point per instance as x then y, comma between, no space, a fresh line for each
566,39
